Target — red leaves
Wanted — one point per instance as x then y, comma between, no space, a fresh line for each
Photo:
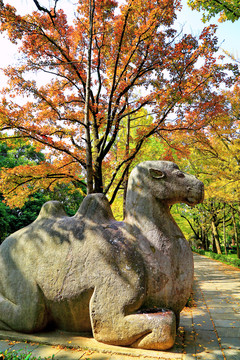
137,63
19,183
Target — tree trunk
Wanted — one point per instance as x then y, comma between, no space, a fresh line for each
235,233
205,240
125,183
216,237
98,179
224,231
89,166
214,249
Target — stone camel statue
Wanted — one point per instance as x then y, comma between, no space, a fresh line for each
90,272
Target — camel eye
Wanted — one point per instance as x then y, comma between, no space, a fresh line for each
157,174
180,174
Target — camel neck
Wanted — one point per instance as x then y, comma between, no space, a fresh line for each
144,209
147,213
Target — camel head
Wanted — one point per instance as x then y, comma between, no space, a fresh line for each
164,181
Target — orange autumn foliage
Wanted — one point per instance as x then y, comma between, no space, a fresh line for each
137,62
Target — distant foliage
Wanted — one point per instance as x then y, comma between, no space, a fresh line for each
223,258
226,9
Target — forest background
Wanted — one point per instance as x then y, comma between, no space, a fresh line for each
87,101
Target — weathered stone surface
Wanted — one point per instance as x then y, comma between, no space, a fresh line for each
90,272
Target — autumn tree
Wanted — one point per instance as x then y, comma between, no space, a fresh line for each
220,163
127,138
216,150
106,65
227,9
194,222
18,153
214,158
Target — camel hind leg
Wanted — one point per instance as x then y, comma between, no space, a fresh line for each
27,314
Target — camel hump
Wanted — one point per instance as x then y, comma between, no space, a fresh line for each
97,208
52,209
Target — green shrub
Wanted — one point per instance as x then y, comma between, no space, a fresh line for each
199,251
20,355
220,257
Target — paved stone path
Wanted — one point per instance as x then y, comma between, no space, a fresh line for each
216,319
208,331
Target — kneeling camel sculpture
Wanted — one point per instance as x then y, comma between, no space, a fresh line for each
90,272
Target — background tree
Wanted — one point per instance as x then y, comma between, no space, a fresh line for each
137,61
198,224
217,150
214,158
227,9
236,229
11,220
128,135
